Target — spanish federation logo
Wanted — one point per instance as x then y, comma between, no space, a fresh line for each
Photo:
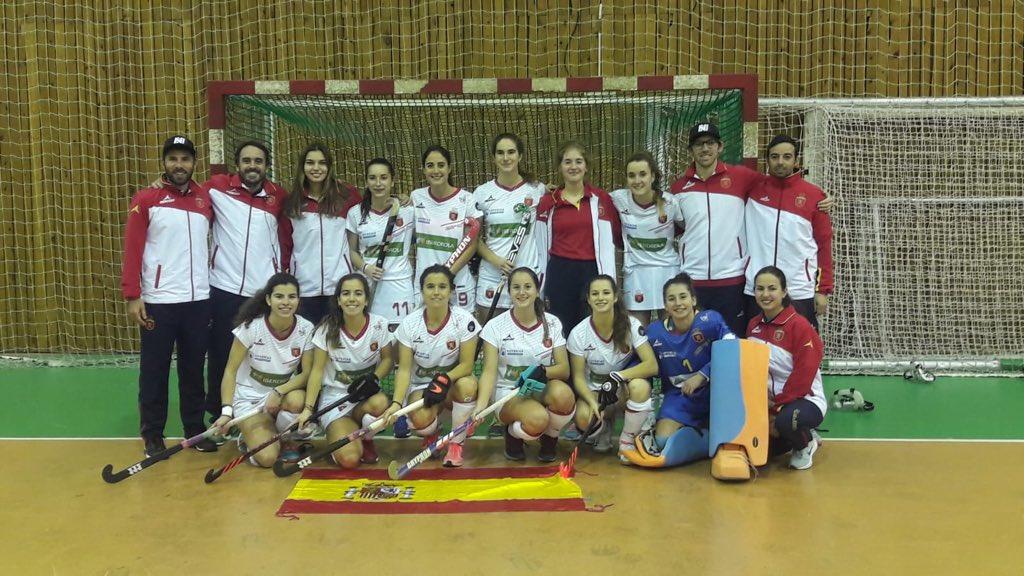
380,491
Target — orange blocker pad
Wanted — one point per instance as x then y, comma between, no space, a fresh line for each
739,398
435,491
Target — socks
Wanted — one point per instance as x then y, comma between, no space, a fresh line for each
636,414
426,430
558,421
461,411
285,419
367,420
516,430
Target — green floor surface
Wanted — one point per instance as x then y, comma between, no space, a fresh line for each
101,403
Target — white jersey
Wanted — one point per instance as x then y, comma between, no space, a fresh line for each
646,235
601,356
520,347
356,354
438,350
502,209
440,225
371,234
270,361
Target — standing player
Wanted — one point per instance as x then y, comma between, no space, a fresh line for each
711,197
502,203
246,250
648,229
682,344
351,354
436,349
600,349
577,231
524,336
796,397
270,343
786,229
314,246
393,294
441,213
165,282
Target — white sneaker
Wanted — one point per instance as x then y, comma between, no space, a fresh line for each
802,459
604,439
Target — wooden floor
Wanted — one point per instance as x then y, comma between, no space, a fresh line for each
865,508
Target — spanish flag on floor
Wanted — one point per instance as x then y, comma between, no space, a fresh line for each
438,491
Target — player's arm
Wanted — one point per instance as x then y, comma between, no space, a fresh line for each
488,376
227,382
402,378
560,369
467,356
386,363
648,366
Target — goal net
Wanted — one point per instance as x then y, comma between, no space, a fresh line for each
929,228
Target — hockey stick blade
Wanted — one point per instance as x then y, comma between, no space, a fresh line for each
284,469
212,475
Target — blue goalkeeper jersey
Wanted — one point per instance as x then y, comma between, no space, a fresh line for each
681,355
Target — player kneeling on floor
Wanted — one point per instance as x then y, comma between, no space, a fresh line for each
352,352
682,347
524,336
270,342
436,348
600,349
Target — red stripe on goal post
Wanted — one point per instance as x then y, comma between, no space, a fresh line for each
515,85
376,86
442,87
654,83
216,98
591,84
307,87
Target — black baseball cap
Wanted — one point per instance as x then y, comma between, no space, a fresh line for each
179,143
705,129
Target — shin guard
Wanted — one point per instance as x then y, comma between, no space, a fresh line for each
739,408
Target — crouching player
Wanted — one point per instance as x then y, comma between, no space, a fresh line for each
436,349
600,349
270,341
351,354
682,345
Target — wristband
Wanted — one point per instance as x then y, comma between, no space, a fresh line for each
278,392
393,402
310,408
227,410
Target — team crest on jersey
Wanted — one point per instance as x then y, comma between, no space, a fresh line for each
779,333
547,342
296,352
200,203
490,293
453,215
663,218
698,337
399,222
373,346
638,297
471,326
452,344
271,200
528,201
801,200
726,183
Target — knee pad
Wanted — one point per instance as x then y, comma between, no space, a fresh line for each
639,406
739,398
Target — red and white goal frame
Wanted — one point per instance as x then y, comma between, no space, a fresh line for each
218,92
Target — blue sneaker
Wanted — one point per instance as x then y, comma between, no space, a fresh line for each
402,427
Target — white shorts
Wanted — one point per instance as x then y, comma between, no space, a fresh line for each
393,299
248,399
642,286
329,395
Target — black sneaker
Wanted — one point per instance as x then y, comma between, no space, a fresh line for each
513,447
548,448
205,445
154,446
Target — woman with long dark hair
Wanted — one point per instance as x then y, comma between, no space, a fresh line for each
262,372
311,228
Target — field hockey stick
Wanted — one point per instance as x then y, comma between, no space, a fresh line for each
517,241
283,469
112,478
396,472
472,231
212,475
389,231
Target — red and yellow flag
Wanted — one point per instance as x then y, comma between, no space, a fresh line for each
435,491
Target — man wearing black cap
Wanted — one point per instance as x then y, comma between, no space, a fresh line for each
711,196
786,228
165,281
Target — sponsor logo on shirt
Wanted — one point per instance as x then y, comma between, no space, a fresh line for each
689,184
764,198
508,338
259,342
167,200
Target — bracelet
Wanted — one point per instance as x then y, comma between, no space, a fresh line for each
363,269
278,392
310,408
393,402
227,410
